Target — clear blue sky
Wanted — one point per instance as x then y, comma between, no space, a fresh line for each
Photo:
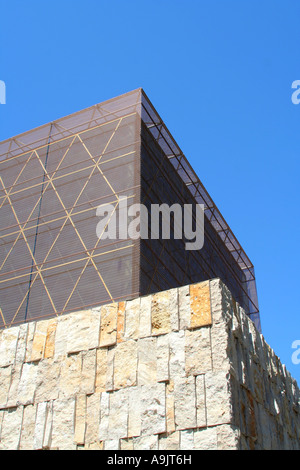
219,72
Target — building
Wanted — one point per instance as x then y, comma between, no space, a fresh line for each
52,181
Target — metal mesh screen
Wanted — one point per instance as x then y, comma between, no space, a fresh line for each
52,180
54,177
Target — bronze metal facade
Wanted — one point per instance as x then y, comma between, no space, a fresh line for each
52,179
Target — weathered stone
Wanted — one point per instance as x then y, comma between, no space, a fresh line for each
109,383
63,424
80,420
145,317
185,409
163,357
108,329
125,365
184,307
88,372
11,428
48,426
206,439
111,444
50,339
228,437
134,412
47,390
70,376
40,423
8,346
28,428
132,319
126,444
187,440
101,370
153,409
104,416
200,401
145,443
92,419
27,384
198,351
5,380
218,398
118,414
29,341
21,345
173,307
160,311
147,361
169,441
170,408
177,354
39,341
200,305
121,321
83,331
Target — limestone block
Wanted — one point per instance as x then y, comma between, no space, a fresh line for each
174,309
184,307
187,440
27,384
40,423
88,372
185,409
200,401
121,321
145,443
147,361
8,346
145,317
126,444
39,341
111,444
61,336
220,348
177,354
83,331
170,408
92,418
108,329
29,341
63,424
104,416
109,383
200,305
153,409
198,351
47,380
69,383
218,398
132,319
160,313
50,339
169,441
118,414
134,412
125,364
5,379
101,370
28,428
80,420
11,428
21,345
216,299
48,426
163,357
206,439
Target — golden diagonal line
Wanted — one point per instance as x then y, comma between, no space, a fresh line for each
37,203
15,182
29,249
119,122
86,264
4,322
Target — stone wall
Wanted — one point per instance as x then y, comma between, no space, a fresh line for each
179,370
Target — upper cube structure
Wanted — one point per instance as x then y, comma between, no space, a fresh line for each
54,179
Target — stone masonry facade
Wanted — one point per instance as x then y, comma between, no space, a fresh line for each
182,369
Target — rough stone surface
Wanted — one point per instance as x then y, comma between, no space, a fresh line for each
183,369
